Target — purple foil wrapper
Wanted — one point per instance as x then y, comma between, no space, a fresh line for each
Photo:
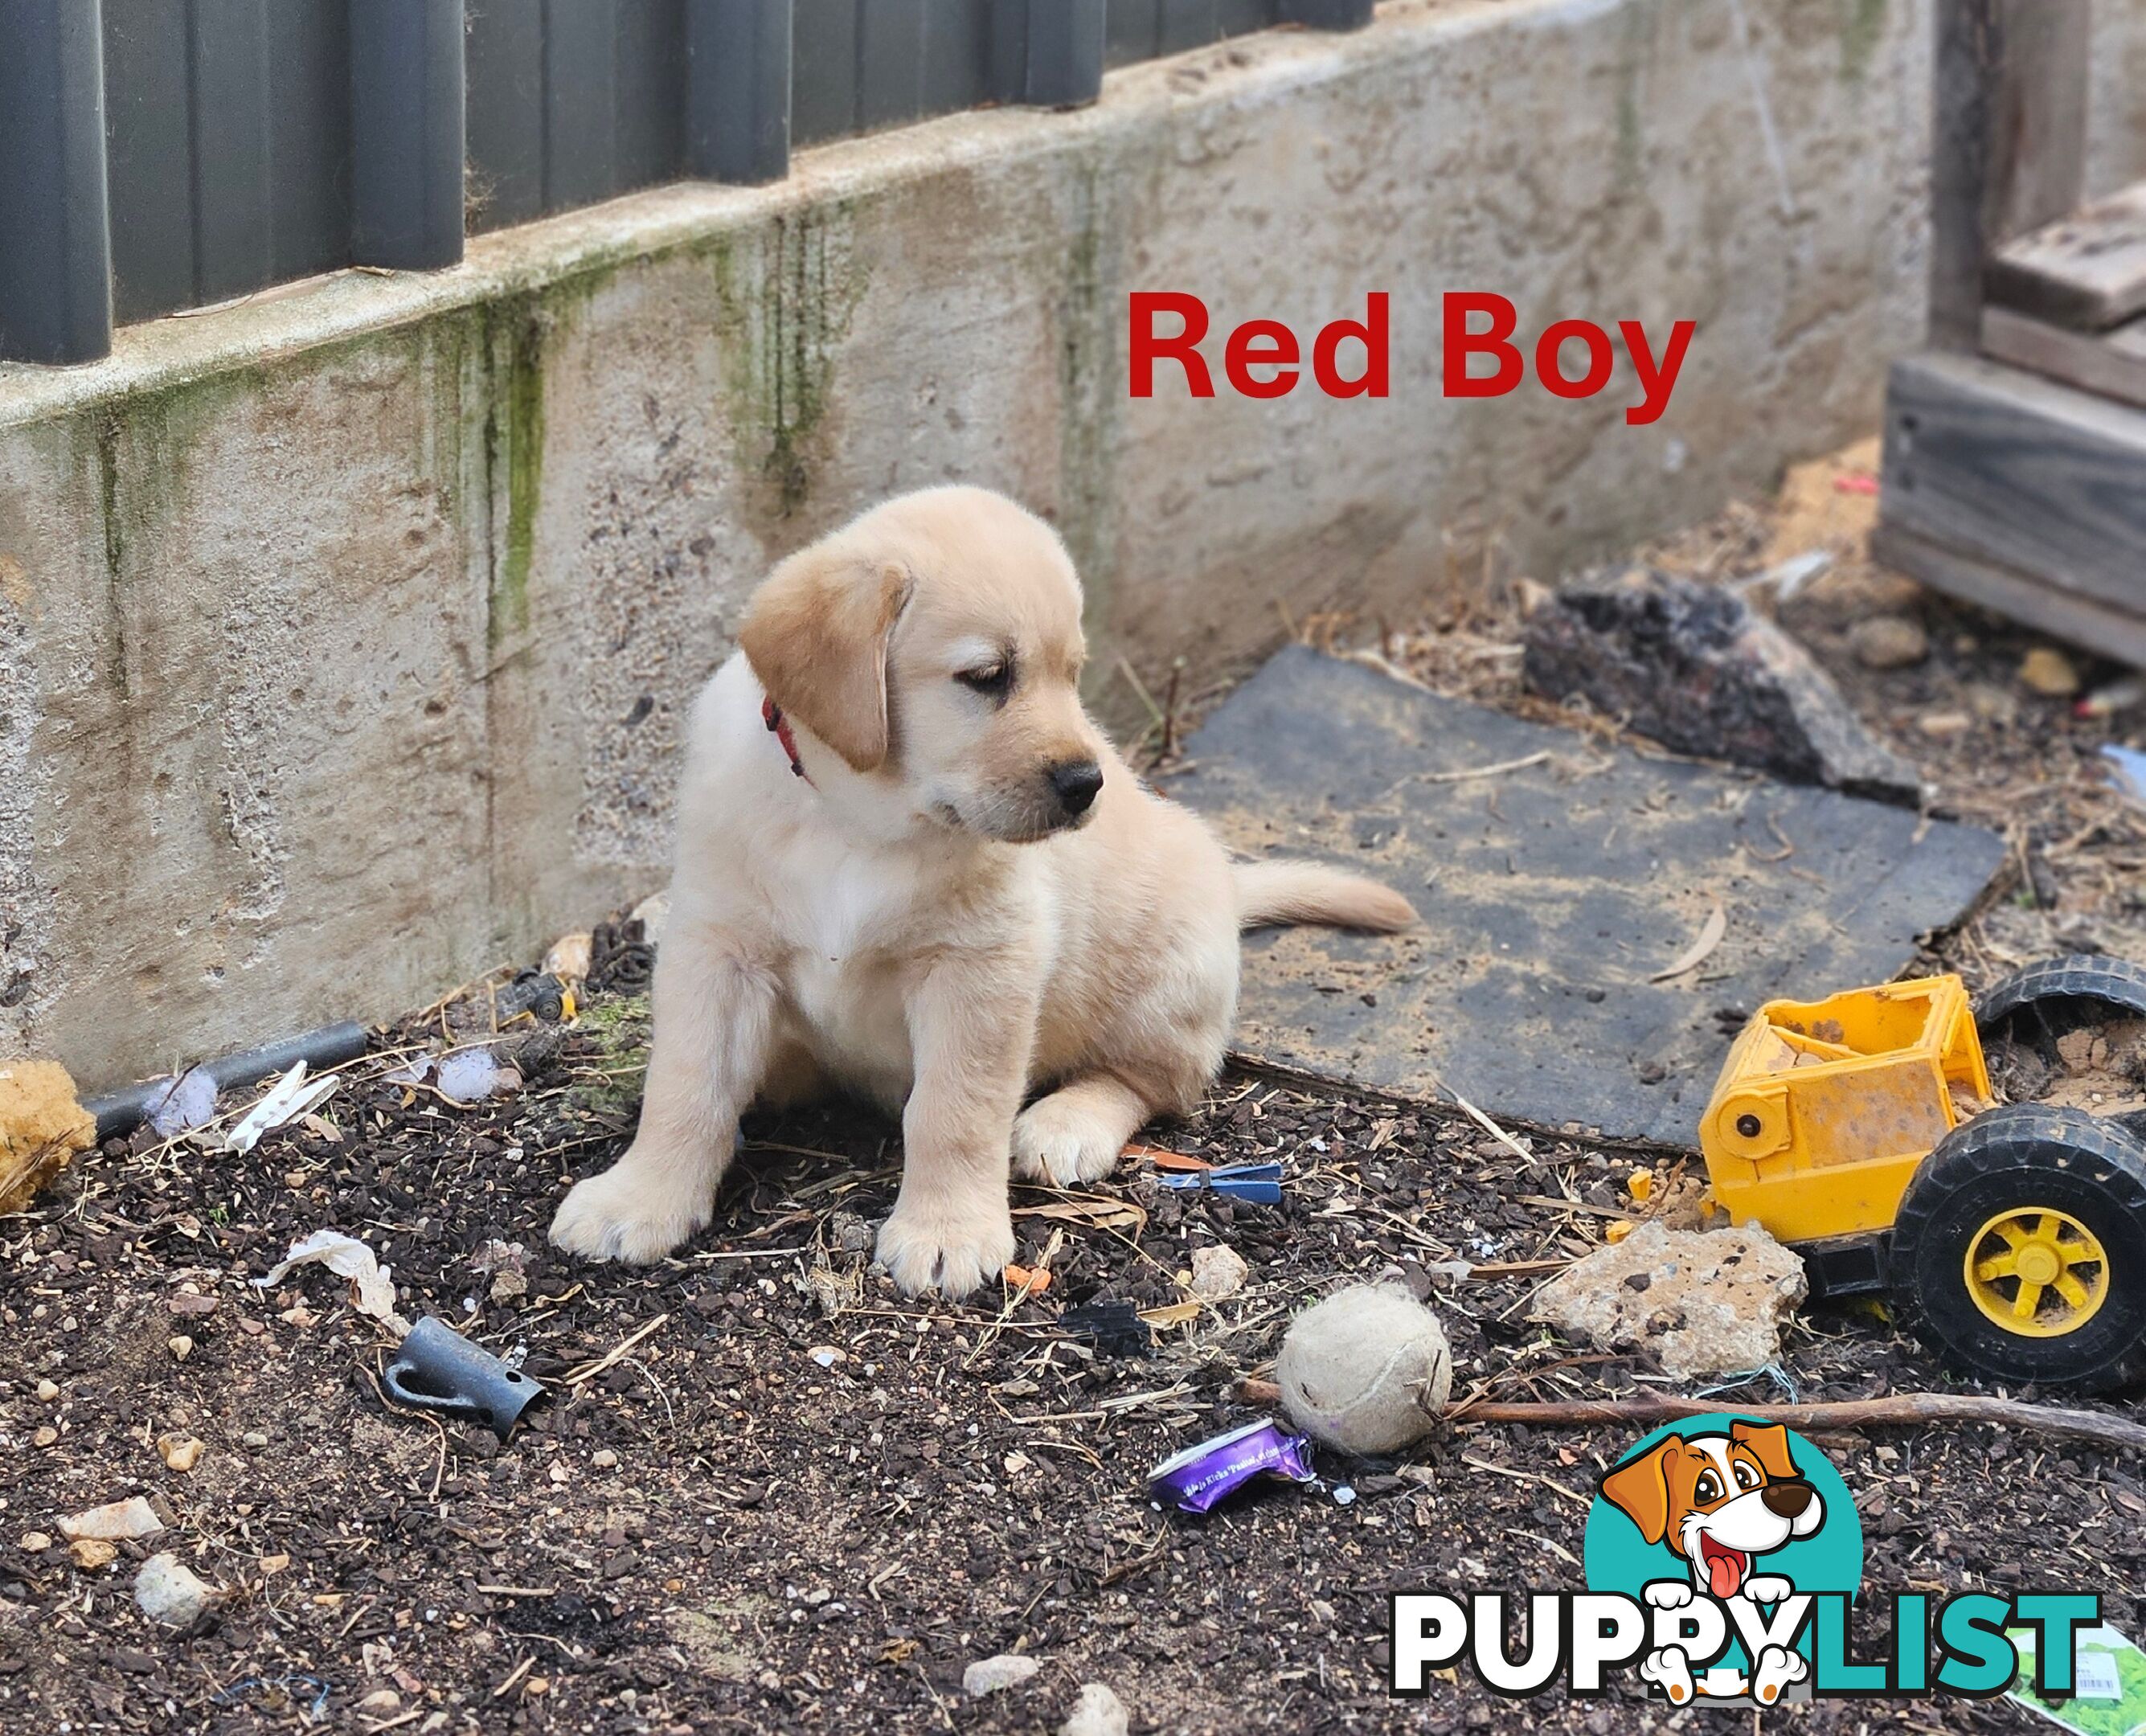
1195,1479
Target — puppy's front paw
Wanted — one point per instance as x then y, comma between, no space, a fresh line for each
936,1248
1766,1588
1061,1145
623,1214
1668,1593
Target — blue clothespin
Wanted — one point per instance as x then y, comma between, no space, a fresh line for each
1261,1184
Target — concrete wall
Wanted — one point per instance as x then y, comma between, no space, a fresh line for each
346,634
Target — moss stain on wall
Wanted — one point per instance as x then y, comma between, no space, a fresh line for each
786,296
1089,391
514,344
141,444
1862,29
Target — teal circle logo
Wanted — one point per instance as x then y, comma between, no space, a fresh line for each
1717,1508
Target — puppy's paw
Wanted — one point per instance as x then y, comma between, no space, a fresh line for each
622,1214
1766,1588
1059,1144
936,1248
1669,1669
1668,1593
1778,1667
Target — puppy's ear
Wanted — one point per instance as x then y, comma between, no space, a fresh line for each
816,635
1771,1445
1640,1490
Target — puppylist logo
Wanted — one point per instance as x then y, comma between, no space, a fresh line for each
1723,1556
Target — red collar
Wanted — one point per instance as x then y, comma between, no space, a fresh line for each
771,714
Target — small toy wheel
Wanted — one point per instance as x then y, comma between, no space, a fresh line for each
2020,1250
2053,995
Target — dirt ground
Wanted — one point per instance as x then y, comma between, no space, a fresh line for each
769,1493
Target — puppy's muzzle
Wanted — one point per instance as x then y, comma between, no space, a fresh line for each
1787,1500
1075,784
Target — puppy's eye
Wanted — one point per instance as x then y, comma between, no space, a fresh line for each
993,679
1707,1489
1747,1476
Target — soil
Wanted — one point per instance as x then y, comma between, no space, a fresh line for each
768,1493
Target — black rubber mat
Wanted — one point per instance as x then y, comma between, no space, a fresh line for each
1556,875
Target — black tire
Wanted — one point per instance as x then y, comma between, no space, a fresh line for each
2026,1158
2055,995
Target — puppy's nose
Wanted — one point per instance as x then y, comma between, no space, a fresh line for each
1787,1500
1076,783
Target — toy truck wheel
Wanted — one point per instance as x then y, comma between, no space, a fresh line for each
2020,1250
2055,995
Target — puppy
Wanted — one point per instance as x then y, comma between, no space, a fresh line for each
909,865
1721,1501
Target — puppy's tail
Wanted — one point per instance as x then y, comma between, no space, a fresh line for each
1285,891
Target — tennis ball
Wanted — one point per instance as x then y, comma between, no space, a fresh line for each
1365,1371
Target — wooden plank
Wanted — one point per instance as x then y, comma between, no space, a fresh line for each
2113,363
2022,596
2009,145
2086,271
2019,472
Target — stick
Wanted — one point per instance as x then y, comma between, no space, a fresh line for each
1476,771
1898,1410
1490,1127
589,1371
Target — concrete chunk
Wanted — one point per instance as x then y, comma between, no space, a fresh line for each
1703,1303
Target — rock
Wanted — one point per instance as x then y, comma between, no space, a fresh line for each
1695,669
1710,1303
46,1392
35,1543
988,1675
254,1439
180,1345
92,1552
180,1452
168,1591
849,1233
1097,1713
1888,641
604,1459
1992,703
1943,726
2047,671
380,1702
116,1521
1217,1272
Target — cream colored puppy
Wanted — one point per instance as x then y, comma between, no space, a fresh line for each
959,897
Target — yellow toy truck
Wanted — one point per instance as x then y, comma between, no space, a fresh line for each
1861,1129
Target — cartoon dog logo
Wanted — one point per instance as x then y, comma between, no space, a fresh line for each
1721,1501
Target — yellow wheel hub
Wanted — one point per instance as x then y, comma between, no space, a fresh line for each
2036,1272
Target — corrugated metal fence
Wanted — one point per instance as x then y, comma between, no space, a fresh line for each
163,154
